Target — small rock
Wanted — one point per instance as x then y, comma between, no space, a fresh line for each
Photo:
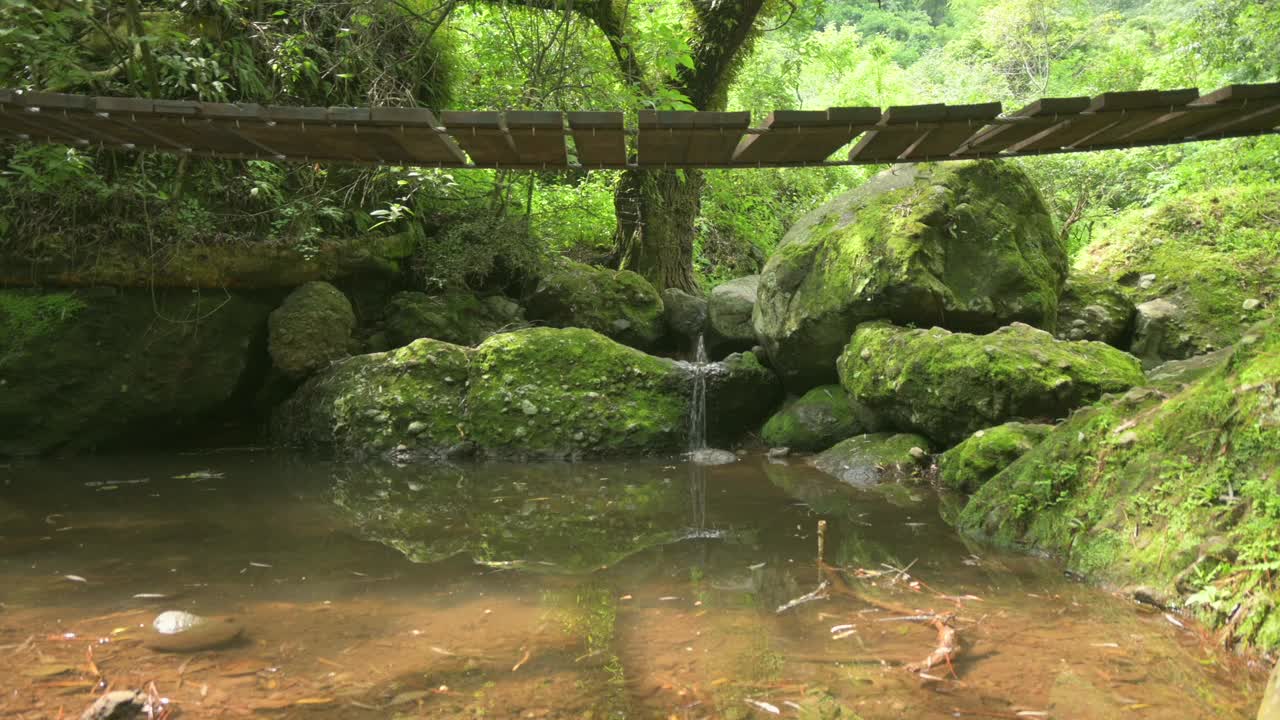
779,452
528,407
1128,439
1248,339
865,354
917,453
1146,281
416,427
179,631
1251,304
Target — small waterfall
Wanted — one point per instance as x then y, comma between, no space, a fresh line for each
698,400
699,453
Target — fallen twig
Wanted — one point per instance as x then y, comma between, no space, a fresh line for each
818,594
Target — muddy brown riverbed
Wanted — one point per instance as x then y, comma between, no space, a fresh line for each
641,589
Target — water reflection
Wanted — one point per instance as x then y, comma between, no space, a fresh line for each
628,590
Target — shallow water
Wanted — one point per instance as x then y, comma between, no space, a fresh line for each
643,589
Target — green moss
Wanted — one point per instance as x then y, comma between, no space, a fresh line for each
969,465
741,392
616,303
566,392
28,315
115,367
873,458
456,317
1175,489
407,402
1209,252
969,246
310,329
822,417
1093,307
948,385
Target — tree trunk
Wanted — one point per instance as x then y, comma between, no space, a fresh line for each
656,211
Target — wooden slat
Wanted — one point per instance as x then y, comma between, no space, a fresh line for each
414,130
88,121
483,136
599,138
1258,110
1104,111
1170,101
804,135
960,123
538,137
1034,119
664,137
715,137
898,130
1207,112
309,134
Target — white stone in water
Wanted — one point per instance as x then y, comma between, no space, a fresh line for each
172,622
711,456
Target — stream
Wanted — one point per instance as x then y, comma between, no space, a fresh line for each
638,589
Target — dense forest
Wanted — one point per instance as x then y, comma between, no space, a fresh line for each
469,226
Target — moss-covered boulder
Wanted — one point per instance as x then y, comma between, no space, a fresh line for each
967,246
546,392
1211,260
616,303
874,458
87,369
730,307
406,403
1093,307
1171,487
457,317
969,465
741,393
819,419
947,385
310,329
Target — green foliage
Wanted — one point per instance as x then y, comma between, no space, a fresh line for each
27,316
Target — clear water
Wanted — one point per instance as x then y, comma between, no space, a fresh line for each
640,589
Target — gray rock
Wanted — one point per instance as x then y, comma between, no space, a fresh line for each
616,303
686,314
730,308
457,317
310,329
1159,335
1270,707
1093,307
180,631
1251,304
117,705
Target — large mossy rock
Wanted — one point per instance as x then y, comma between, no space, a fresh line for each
819,419
90,369
456,317
1092,307
406,403
1171,487
947,385
966,246
731,306
616,303
546,392
310,329
969,465
871,459
741,393
1201,268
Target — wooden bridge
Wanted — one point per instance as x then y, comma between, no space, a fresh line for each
550,140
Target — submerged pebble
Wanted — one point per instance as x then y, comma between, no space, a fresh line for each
180,631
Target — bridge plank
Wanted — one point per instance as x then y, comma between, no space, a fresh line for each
1034,119
664,137
804,135
415,131
898,130
1104,111
483,135
538,137
599,138
960,123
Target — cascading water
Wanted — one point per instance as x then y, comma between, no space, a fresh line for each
699,453
698,400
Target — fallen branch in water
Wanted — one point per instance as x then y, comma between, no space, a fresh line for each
818,594
948,646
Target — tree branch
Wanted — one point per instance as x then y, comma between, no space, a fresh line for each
724,29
